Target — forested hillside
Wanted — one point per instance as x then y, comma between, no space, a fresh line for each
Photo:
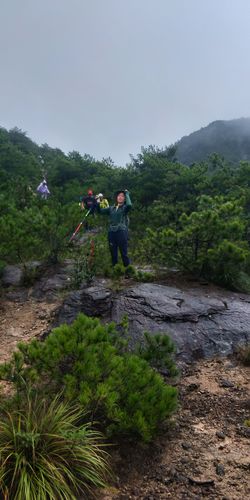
90,382
194,218
228,138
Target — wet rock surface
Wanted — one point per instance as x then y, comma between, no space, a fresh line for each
12,276
201,324
53,281
50,287
95,300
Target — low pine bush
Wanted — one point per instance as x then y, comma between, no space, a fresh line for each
46,454
82,271
158,350
89,362
2,266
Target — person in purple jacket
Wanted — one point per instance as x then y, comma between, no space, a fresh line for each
43,190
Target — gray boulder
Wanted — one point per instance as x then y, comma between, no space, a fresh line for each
92,301
201,323
12,276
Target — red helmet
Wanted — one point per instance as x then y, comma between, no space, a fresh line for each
90,192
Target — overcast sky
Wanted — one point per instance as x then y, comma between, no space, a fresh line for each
105,77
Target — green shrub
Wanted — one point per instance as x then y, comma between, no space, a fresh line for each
144,276
118,271
158,351
2,266
89,362
91,259
83,268
102,258
209,242
241,282
225,262
46,454
130,271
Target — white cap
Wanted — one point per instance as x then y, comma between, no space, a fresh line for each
100,195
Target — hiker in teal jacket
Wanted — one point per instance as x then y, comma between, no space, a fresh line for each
118,226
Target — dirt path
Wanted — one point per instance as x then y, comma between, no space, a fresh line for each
204,454
22,321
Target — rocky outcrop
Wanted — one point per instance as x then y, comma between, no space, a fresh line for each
12,276
44,282
17,275
201,324
49,287
202,321
53,282
95,300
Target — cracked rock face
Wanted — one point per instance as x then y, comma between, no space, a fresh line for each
92,301
201,324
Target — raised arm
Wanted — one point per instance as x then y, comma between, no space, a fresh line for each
128,205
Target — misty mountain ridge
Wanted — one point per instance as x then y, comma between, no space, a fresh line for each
228,138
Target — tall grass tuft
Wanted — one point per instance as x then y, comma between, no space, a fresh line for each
46,454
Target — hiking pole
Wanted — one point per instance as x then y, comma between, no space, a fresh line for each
79,225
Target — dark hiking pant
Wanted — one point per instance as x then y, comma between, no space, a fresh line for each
119,239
